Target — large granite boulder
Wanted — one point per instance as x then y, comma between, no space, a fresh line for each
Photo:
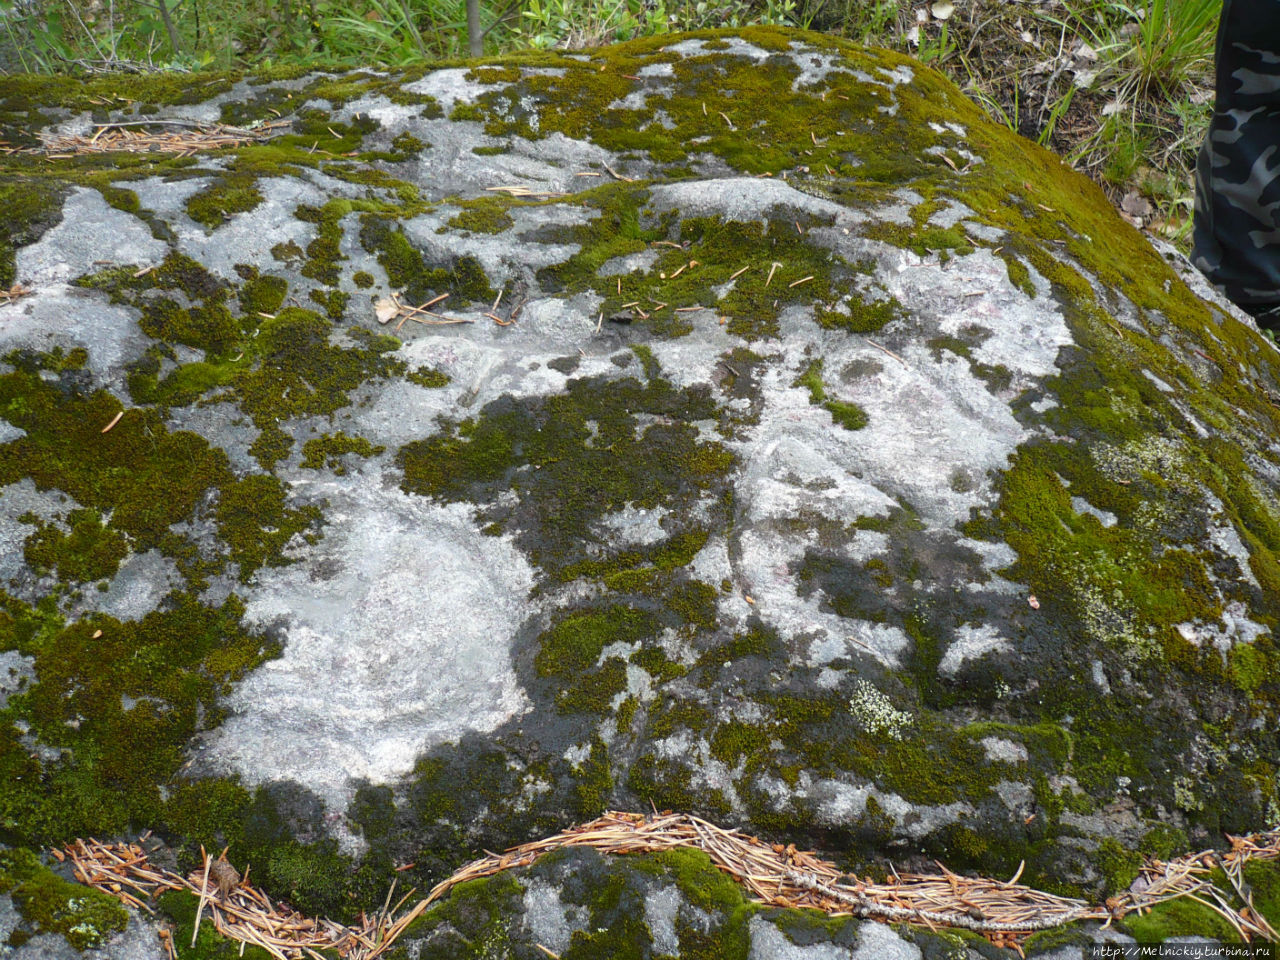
794,447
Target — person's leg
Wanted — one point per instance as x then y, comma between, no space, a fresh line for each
1236,243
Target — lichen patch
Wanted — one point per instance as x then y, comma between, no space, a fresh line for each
373,674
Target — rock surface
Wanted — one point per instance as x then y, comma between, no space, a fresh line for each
794,447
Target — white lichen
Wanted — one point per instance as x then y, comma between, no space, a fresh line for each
876,714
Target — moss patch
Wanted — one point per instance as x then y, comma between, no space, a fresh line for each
848,415
571,459
328,451
227,195
118,702
49,904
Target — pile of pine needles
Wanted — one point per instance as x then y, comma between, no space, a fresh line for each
1005,912
238,910
184,138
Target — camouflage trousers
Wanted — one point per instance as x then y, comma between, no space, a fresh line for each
1237,212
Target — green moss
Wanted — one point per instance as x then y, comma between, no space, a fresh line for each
287,252
91,551
146,476
227,195
195,313
429,378
507,73
573,643
328,450
699,253
49,904
668,785
300,373
31,206
846,414
1179,918
404,146
179,907
1249,667
1119,867
253,521
593,782
655,662
571,459
464,280
863,316
119,703
263,294
1164,842
484,215
334,302
735,739
362,279
592,691
119,198
472,924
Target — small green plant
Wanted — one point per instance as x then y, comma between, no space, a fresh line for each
1173,38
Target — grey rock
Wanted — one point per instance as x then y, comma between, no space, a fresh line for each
865,501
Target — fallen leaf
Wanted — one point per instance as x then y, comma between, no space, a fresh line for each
1083,79
942,9
385,309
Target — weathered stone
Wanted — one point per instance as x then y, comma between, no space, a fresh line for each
815,456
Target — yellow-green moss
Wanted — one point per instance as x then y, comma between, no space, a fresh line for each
91,551
253,520
849,415
328,451
49,904
227,195
485,215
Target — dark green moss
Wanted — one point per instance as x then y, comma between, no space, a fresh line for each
148,477
571,459
464,279
119,702
31,207
668,785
